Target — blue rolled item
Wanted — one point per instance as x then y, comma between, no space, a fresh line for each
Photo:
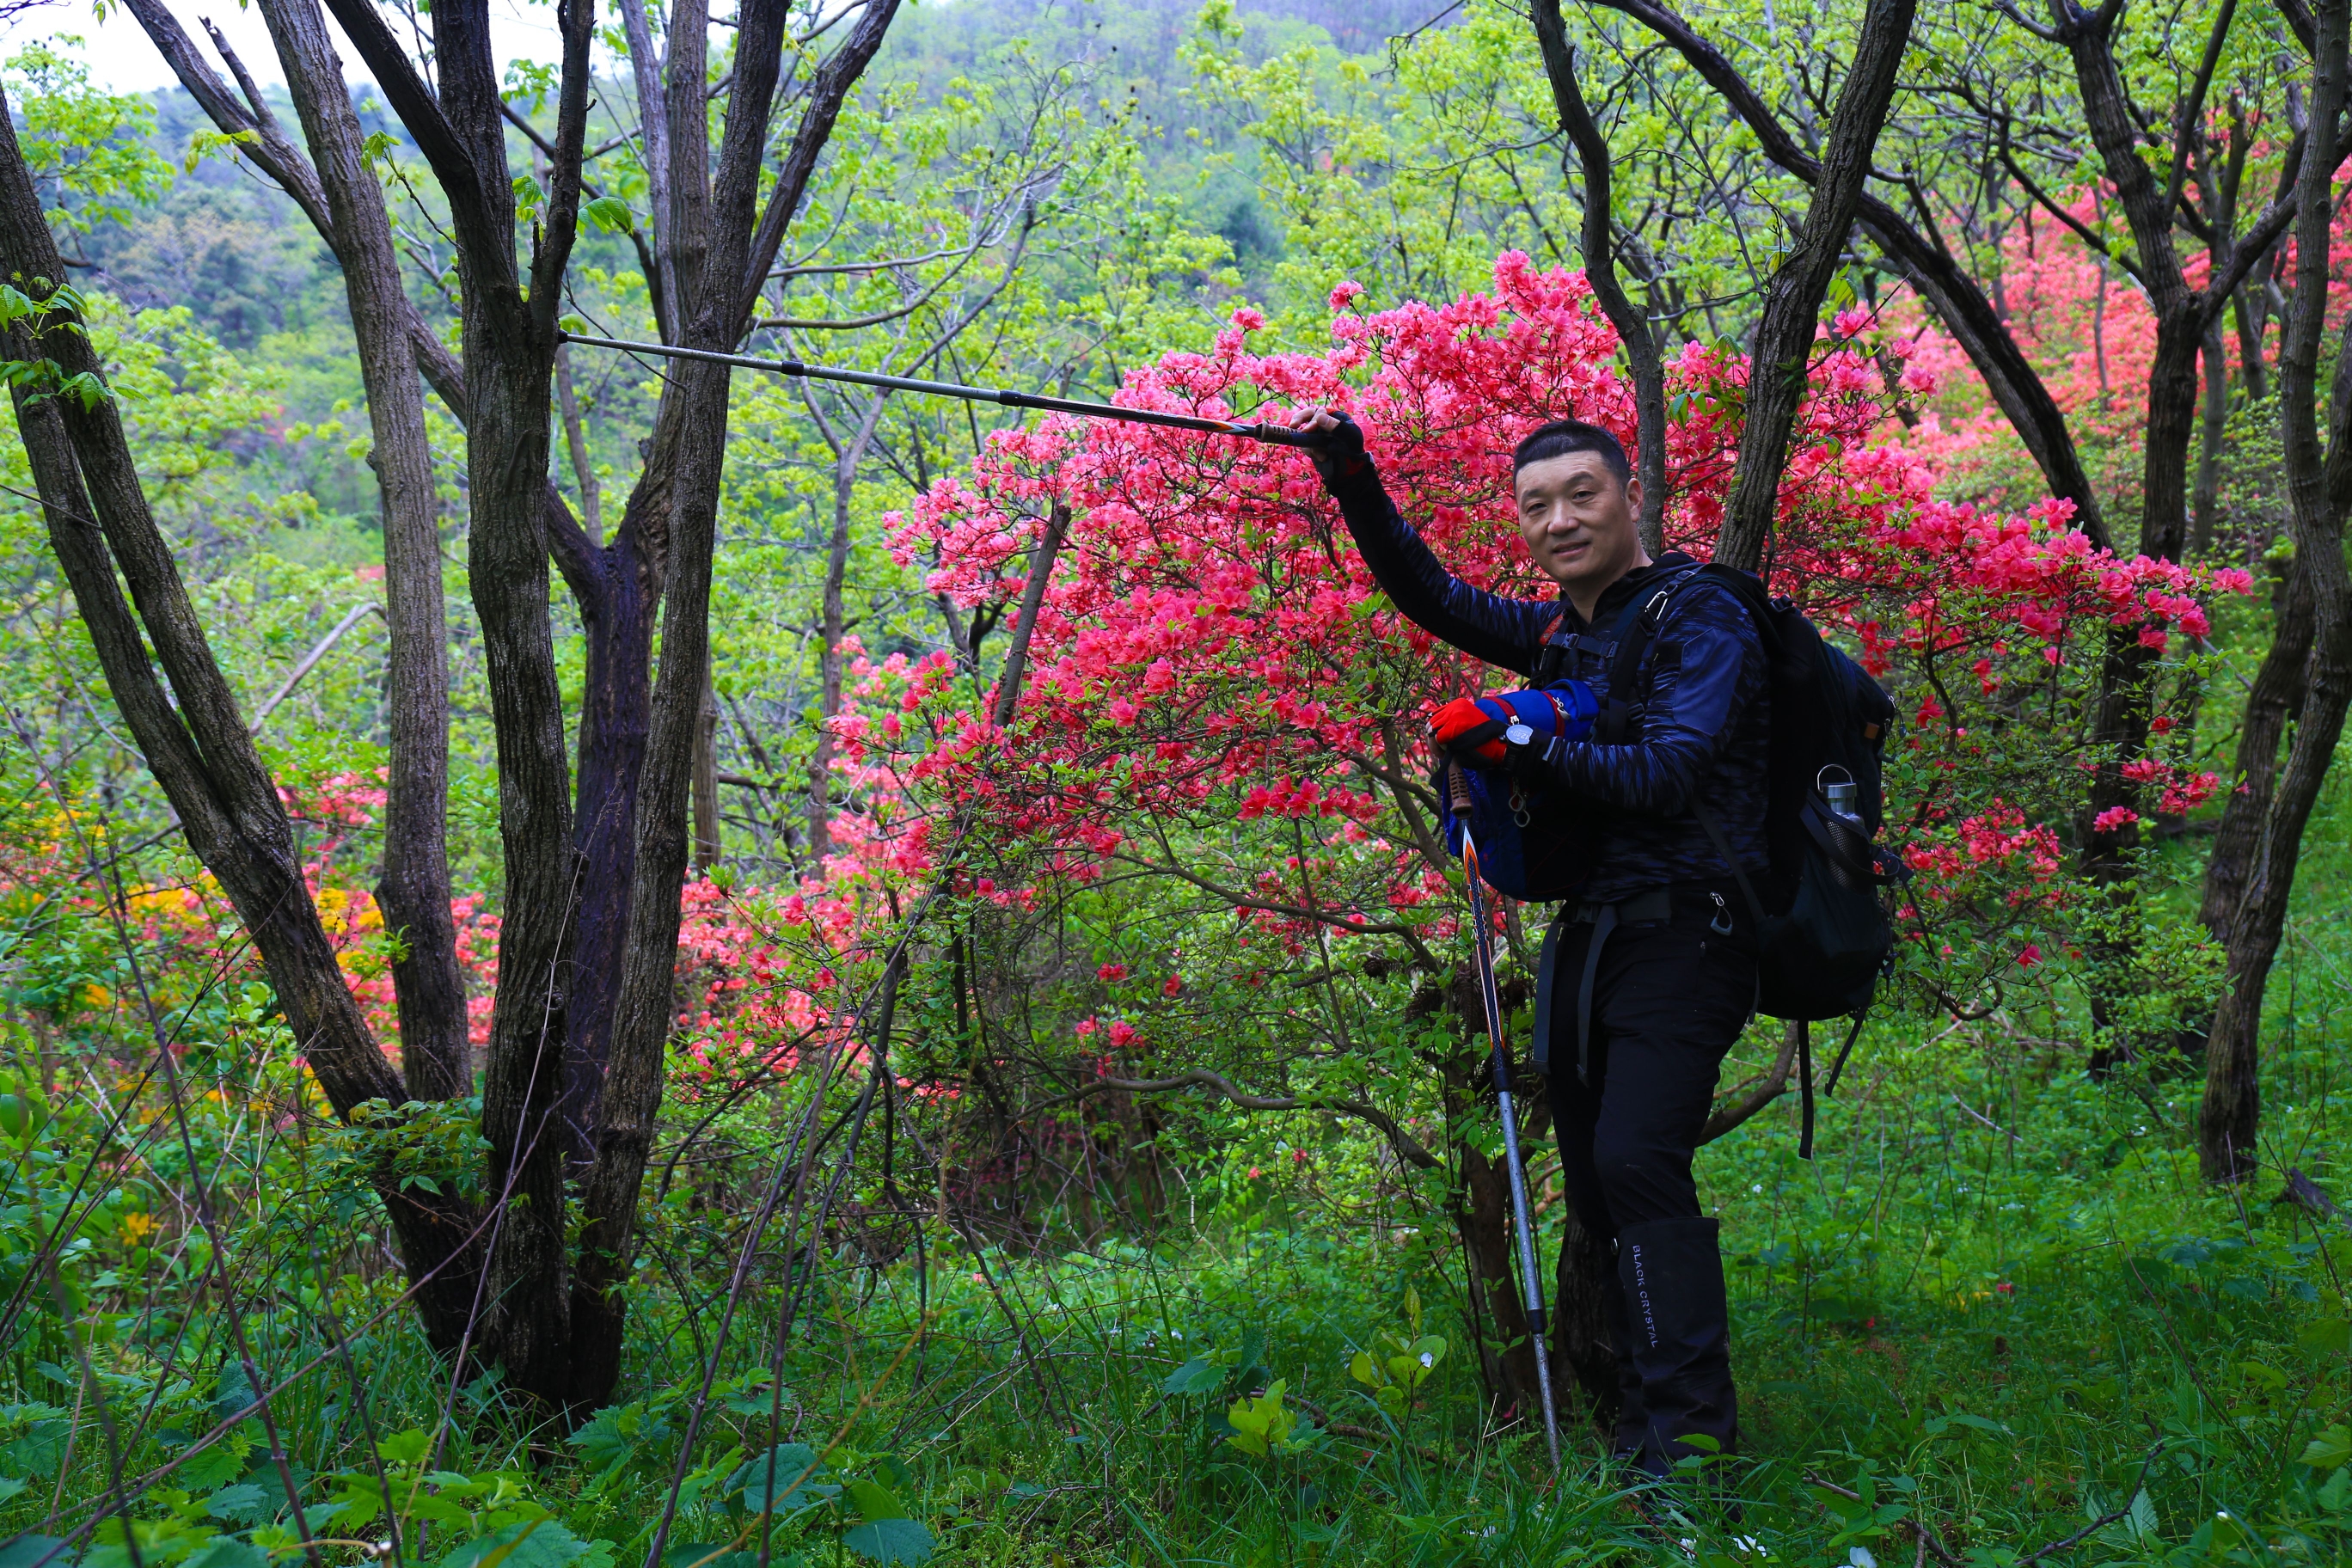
1532,847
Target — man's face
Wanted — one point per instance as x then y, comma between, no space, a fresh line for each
1579,522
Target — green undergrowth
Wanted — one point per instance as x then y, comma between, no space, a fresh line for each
2013,1319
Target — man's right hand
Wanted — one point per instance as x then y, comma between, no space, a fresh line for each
1480,731
1470,729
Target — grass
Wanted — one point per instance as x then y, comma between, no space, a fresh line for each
1999,1305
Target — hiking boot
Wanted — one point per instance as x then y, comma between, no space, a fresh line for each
1633,1420
1681,1334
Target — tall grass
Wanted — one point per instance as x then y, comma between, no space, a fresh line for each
1998,1321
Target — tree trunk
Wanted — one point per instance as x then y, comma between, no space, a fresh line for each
1792,302
192,738
2207,498
714,302
1480,1202
2250,323
1977,321
508,352
414,889
574,931
2184,318
832,628
706,778
2271,705
1582,1280
618,591
848,454
2319,488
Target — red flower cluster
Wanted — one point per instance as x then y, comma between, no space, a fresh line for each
1211,650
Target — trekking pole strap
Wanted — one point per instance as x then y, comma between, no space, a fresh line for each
1844,1051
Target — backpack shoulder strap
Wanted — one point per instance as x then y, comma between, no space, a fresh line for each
1631,633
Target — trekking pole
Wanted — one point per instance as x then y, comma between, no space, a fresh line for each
1531,1286
1278,434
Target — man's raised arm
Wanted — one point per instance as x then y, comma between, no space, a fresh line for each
1489,627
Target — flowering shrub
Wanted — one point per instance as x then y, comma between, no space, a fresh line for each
1219,694
1213,659
2089,331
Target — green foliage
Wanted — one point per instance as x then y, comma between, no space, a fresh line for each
87,150
1153,1328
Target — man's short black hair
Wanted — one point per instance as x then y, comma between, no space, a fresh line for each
1562,436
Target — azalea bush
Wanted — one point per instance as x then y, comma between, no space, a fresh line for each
1220,694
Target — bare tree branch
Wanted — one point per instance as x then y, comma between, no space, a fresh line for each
1642,358
1407,1146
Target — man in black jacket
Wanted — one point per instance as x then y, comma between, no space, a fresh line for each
1657,962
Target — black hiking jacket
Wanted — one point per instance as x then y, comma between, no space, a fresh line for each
1701,732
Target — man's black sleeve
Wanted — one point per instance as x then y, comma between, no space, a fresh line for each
1501,631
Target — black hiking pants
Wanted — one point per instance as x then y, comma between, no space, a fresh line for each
1668,998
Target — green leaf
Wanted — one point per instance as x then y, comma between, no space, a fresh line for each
225,1551
27,1550
2142,1518
1261,1427
535,1543
712,1554
890,1541
2329,1336
218,1466
38,1452
874,1501
2269,1377
243,1503
789,1480
2324,1452
1199,1376
406,1448
609,214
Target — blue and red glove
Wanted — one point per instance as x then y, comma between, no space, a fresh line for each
1484,730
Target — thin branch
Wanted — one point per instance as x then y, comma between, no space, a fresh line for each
2192,107
309,662
1408,1147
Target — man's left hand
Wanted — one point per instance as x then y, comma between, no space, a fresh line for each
1491,732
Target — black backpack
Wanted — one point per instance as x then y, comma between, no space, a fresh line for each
1825,936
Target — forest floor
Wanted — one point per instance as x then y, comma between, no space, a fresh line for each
1998,1320
2010,1328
